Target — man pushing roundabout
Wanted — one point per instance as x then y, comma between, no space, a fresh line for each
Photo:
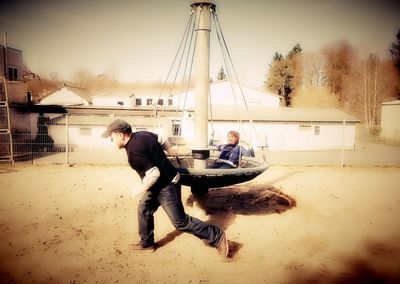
160,187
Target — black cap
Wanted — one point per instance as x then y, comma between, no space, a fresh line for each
117,125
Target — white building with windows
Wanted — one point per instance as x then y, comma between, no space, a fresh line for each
278,129
152,97
281,129
114,98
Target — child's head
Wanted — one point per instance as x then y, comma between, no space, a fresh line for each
233,137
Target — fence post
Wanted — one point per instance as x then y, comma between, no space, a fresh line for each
67,139
343,140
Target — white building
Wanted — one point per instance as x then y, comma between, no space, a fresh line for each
226,93
281,129
84,131
114,98
128,98
390,122
68,96
152,97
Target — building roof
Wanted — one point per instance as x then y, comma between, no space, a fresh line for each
281,114
101,120
230,93
397,102
103,116
83,93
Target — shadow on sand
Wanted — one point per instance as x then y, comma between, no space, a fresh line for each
377,262
223,204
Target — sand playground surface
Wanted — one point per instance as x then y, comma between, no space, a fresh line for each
61,224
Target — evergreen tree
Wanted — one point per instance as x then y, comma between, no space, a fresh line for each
221,74
395,52
295,72
276,76
285,74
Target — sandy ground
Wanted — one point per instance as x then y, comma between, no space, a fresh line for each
62,224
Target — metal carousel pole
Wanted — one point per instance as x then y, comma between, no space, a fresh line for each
200,150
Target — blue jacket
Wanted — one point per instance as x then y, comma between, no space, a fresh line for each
231,153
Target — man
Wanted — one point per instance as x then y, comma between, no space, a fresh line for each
160,186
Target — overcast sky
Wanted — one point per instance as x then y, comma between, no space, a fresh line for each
137,39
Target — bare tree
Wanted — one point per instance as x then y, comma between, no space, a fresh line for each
369,83
40,86
82,78
338,57
313,63
314,96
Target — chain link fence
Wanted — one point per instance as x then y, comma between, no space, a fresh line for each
40,138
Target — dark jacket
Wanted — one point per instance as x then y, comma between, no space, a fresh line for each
145,152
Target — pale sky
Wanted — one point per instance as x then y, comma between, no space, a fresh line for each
137,39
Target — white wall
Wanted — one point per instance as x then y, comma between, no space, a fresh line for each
64,97
289,136
89,136
227,94
112,101
390,122
277,136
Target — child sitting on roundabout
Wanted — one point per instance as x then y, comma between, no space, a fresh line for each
230,152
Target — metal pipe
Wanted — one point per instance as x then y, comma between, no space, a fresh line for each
67,139
5,55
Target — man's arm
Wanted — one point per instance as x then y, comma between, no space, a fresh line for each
167,147
150,178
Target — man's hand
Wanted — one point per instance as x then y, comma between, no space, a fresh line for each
136,191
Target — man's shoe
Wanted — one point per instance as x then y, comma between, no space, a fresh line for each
142,248
223,246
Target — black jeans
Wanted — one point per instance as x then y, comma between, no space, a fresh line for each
170,199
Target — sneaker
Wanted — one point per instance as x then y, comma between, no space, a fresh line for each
223,246
139,246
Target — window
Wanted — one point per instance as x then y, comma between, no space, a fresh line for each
138,102
149,102
304,127
120,103
176,129
170,102
160,102
317,130
12,74
85,131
